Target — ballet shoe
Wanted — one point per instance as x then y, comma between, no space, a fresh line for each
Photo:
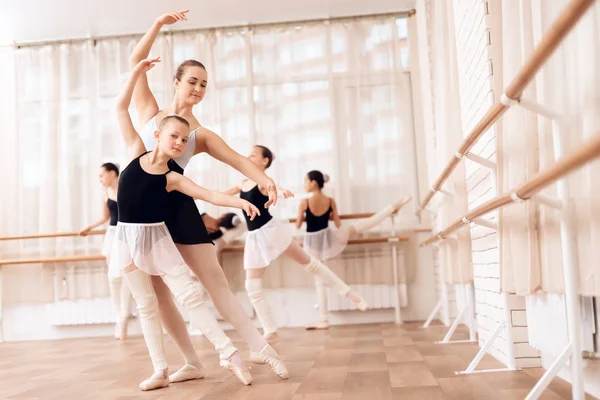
187,373
321,325
158,380
362,305
243,374
276,364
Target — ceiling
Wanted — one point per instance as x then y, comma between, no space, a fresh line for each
65,19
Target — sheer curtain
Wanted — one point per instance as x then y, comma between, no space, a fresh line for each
449,133
329,96
517,158
568,82
571,83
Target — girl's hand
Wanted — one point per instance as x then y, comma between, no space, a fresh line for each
172,17
147,64
272,192
287,194
250,209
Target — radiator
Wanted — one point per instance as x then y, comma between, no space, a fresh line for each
81,312
547,323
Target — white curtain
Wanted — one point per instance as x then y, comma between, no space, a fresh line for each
517,155
569,83
331,96
449,134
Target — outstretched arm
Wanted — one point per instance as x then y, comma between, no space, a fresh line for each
217,148
134,143
143,99
185,185
105,217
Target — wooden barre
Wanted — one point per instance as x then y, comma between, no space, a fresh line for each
102,231
99,257
565,22
387,239
344,216
564,166
52,235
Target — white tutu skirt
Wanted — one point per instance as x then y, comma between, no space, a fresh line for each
148,246
265,244
326,243
108,241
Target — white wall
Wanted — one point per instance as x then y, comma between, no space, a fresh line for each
59,19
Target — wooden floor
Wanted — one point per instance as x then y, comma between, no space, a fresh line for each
362,362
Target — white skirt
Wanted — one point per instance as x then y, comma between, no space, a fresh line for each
326,243
108,241
149,247
265,244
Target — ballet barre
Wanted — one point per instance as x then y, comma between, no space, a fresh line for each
103,231
550,41
513,95
528,191
386,239
52,235
94,257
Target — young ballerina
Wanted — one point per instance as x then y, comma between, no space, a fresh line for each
119,293
184,221
324,242
267,239
143,245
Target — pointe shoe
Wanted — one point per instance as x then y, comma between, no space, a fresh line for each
187,373
158,380
242,374
276,364
321,325
271,337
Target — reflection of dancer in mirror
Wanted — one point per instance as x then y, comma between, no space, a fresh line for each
119,293
184,222
267,239
324,242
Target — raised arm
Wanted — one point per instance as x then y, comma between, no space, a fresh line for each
143,99
185,185
301,210
132,139
335,216
217,148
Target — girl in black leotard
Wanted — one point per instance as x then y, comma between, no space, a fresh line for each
324,242
119,293
144,247
267,239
